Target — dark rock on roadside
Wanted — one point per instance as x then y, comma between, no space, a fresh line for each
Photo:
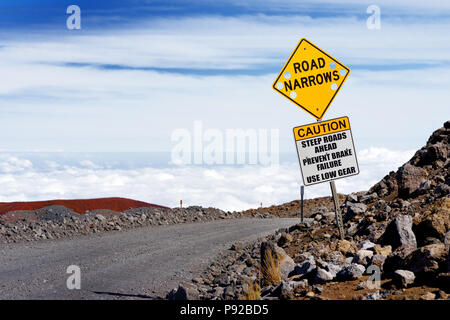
430,259
351,272
396,259
305,268
399,233
185,291
403,278
323,276
270,251
285,239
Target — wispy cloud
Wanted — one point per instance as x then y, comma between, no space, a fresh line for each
242,42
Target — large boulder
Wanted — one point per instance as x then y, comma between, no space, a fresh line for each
403,278
323,276
354,209
409,180
396,259
351,272
399,233
430,259
332,268
347,248
363,257
279,258
433,223
305,268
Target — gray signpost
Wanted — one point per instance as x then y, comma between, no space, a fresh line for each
302,191
337,210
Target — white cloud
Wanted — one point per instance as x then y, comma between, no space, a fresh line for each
226,187
11,164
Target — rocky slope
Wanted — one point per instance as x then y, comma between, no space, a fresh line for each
398,230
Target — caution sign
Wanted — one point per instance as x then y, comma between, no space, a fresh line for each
326,151
311,78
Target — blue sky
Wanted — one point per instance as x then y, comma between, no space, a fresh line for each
150,67
137,71
116,12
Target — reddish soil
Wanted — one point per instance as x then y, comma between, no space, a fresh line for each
79,206
349,290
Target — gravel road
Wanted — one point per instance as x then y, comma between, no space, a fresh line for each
136,264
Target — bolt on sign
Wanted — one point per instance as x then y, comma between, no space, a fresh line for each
326,151
311,78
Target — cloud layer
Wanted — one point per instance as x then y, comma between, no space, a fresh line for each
225,187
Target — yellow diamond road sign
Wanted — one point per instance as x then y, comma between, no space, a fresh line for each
311,78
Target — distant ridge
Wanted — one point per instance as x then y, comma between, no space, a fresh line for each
80,205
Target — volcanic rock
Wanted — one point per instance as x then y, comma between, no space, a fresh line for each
399,233
403,278
281,258
185,291
346,247
409,180
428,259
351,272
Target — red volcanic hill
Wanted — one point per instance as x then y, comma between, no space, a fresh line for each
79,206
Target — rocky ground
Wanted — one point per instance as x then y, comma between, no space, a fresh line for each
399,230
55,222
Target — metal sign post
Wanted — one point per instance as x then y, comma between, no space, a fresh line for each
302,191
337,210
